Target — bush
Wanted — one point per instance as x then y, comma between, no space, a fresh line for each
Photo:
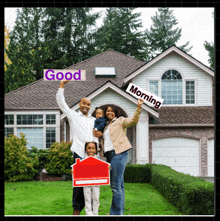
137,173
18,166
60,159
185,192
42,155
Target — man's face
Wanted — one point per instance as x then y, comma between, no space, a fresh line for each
85,105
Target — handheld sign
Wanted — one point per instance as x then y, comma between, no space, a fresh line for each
149,98
90,172
59,75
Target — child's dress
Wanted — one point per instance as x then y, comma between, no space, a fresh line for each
91,196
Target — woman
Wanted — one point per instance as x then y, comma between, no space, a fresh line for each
116,145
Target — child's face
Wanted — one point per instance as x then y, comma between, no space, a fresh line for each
90,149
99,113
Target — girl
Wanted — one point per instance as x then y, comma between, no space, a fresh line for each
91,192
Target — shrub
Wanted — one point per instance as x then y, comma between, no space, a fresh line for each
60,159
191,195
42,155
18,166
137,173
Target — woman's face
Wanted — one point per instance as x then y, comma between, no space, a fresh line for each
110,113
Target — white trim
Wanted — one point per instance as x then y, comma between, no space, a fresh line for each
91,181
119,91
173,48
64,130
181,125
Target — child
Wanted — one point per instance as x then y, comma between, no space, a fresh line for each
99,124
91,193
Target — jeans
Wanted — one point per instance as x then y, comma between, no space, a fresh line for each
118,163
78,196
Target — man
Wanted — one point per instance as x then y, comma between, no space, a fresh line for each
81,125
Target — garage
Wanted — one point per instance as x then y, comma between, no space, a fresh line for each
210,158
181,154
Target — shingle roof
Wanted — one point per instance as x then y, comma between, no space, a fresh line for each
41,95
186,115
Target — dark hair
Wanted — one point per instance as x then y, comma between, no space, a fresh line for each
115,109
91,142
100,109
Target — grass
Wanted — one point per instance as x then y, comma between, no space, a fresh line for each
55,198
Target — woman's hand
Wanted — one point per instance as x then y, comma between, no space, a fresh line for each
140,102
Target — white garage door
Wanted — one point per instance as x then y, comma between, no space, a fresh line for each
181,154
211,158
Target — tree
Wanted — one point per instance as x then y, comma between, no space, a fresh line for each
6,41
119,32
47,38
22,42
162,35
210,48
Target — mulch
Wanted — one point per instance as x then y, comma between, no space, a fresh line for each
45,177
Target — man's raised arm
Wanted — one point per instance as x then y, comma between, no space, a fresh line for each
60,98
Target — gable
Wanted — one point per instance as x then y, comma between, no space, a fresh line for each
164,54
202,81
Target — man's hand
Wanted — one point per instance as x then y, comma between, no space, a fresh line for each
63,82
97,133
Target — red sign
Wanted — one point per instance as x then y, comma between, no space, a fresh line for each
90,172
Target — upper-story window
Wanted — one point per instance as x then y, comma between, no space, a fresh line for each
153,87
171,85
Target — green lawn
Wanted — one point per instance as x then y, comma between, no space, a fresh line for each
55,198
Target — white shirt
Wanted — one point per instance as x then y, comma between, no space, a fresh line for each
80,125
108,145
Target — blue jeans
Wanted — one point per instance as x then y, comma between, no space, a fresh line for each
118,163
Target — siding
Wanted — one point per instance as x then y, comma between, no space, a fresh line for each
186,69
111,97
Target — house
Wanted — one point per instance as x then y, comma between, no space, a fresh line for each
90,171
179,134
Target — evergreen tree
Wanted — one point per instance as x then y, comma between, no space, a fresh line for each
47,38
24,40
210,48
119,32
161,34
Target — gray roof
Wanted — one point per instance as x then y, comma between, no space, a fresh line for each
41,95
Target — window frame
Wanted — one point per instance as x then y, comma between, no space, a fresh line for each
44,125
183,87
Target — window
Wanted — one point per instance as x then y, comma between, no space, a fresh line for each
34,136
50,119
153,87
37,127
171,84
8,131
190,92
29,119
50,136
9,119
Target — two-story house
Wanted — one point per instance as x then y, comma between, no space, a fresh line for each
180,134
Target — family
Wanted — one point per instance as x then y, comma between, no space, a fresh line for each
87,131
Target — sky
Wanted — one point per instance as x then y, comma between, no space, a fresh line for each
197,26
